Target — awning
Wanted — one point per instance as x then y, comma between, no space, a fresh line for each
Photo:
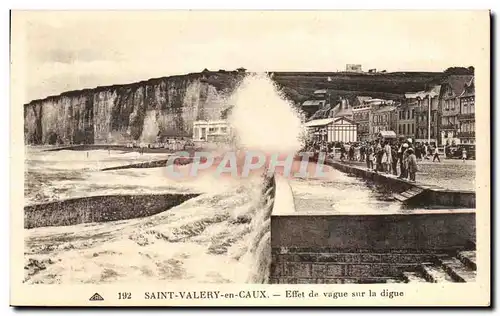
319,122
387,134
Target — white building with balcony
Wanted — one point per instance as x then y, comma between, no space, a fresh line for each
211,131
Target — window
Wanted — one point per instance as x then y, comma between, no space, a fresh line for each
223,129
412,128
413,113
404,129
399,129
212,129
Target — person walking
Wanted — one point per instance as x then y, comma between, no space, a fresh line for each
436,154
387,157
342,152
402,161
426,151
464,154
351,152
418,151
394,155
369,157
378,157
412,164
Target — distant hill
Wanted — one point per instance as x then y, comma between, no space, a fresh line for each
299,86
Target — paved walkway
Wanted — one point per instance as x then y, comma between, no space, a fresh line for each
451,174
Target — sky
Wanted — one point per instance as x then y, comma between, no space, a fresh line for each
64,50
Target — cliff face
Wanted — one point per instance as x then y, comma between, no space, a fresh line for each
64,118
168,106
126,113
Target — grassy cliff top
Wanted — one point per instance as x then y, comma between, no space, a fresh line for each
299,86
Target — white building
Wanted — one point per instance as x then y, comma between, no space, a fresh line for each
353,68
212,131
338,129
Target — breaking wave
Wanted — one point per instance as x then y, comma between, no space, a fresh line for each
220,236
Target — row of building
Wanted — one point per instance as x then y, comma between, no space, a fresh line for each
442,114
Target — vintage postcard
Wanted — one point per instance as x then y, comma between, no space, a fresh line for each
246,158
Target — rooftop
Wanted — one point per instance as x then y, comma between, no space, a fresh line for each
386,109
319,122
432,92
469,89
313,102
457,83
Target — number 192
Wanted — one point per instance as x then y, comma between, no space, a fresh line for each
124,295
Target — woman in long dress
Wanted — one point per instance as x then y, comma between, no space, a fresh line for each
387,158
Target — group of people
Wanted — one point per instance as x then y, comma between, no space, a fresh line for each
424,151
386,156
383,156
397,157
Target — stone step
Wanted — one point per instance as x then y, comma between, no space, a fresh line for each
408,194
416,190
413,277
399,197
468,258
435,274
457,270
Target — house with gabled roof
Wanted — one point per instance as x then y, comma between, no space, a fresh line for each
467,116
449,104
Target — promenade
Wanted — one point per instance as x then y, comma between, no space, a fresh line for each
450,174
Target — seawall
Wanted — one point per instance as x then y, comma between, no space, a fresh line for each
408,246
427,196
100,209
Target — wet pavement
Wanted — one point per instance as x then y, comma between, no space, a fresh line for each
450,174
